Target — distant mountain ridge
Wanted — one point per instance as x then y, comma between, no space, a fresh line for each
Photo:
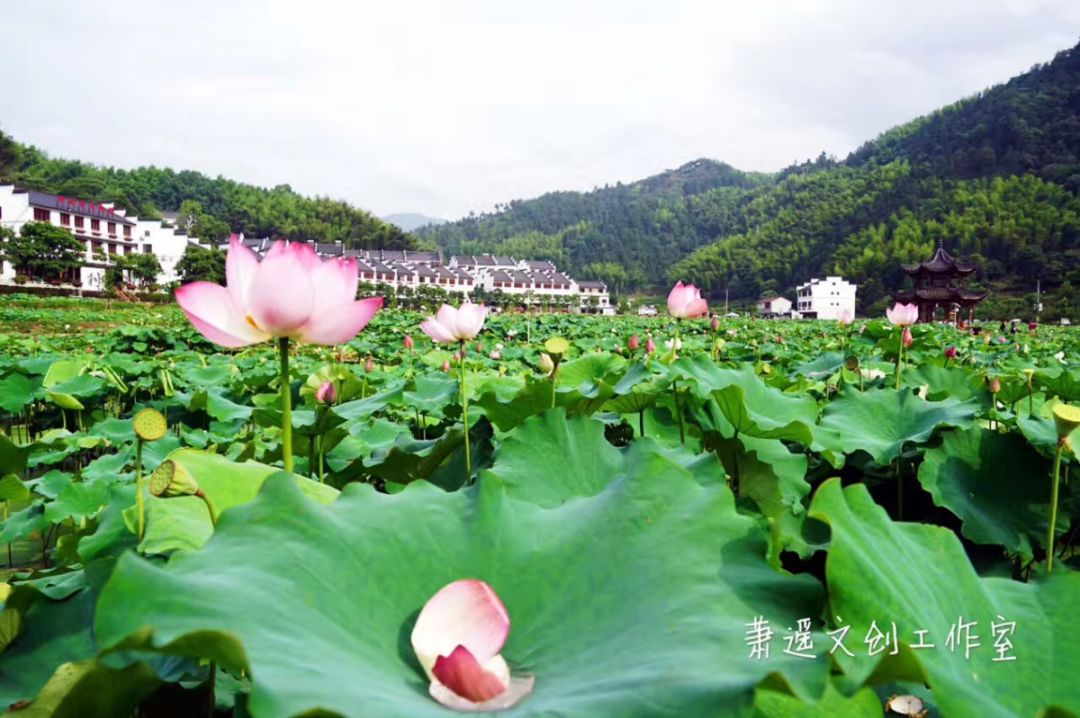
995,176
409,221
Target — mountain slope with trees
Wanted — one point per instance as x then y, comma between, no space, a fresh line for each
995,176
209,207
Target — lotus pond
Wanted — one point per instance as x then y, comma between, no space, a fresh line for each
758,519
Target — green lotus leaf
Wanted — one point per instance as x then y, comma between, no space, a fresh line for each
919,577
944,382
773,704
62,371
16,391
880,421
183,522
991,481
632,602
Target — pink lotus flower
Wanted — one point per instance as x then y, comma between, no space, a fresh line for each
634,343
407,342
845,318
455,325
327,393
903,315
290,293
457,639
907,338
950,353
446,366
650,346
495,354
685,302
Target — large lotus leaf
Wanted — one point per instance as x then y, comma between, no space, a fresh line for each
16,391
945,382
549,458
748,405
864,704
13,457
995,483
183,522
88,689
629,603
919,577
1064,383
431,393
360,409
880,421
822,366
62,371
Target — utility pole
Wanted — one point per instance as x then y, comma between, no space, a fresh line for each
1038,299
725,300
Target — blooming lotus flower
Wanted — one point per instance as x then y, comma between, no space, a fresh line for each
327,393
634,343
902,315
455,325
845,318
685,302
291,293
457,639
495,354
675,344
907,338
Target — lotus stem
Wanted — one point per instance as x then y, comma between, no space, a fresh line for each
641,423
286,405
1054,506
140,502
678,412
465,412
209,507
899,358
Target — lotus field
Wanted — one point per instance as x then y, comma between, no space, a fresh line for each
278,500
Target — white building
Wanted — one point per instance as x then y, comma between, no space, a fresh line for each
106,231
774,306
826,298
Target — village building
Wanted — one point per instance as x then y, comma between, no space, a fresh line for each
774,306
828,298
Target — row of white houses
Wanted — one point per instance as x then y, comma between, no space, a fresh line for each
106,230
534,281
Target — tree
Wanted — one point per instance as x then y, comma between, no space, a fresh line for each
199,264
43,251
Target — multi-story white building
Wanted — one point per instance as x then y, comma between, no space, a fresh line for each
826,298
106,231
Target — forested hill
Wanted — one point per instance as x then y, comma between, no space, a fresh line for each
209,207
996,176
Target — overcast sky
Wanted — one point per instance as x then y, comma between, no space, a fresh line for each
449,106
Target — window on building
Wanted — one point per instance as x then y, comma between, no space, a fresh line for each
127,231
147,249
95,225
41,215
65,219
112,249
112,228
78,223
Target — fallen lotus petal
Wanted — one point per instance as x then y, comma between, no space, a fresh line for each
457,639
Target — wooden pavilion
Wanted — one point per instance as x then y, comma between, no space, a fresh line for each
938,284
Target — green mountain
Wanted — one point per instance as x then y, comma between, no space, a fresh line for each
209,207
995,176
409,221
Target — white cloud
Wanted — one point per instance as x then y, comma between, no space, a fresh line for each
443,108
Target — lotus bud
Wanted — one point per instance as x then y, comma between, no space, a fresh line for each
408,342
327,393
634,343
650,346
908,339
150,424
369,365
1067,419
716,323
446,366
546,364
950,352
1033,326
457,357
480,347
995,385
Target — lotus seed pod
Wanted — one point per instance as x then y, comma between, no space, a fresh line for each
546,363
150,424
556,347
172,479
1066,418
851,363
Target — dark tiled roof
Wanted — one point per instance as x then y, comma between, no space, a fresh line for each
592,284
75,206
941,263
